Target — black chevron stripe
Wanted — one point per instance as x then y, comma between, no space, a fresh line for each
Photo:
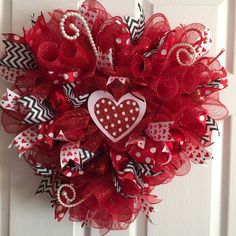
136,26
77,168
33,21
44,171
132,168
75,101
48,186
205,139
18,56
116,184
211,124
39,112
85,156
146,170
214,84
160,43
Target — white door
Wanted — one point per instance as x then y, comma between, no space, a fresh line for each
202,203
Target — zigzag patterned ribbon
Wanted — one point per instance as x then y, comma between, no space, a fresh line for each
39,112
211,125
18,56
136,26
75,101
50,186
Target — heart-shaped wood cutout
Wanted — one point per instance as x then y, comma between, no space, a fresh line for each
116,119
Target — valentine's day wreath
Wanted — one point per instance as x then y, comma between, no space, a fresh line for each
104,109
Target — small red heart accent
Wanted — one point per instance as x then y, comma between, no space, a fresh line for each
24,134
198,155
64,161
23,141
69,154
207,154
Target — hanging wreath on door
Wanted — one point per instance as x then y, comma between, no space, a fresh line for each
104,109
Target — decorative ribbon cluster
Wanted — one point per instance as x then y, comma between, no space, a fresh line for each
105,108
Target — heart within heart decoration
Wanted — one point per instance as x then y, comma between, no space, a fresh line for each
116,119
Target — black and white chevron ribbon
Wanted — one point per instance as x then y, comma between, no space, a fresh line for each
157,48
116,184
131,167
43,171
32,18
205,139
47,185
214,84
75,101
85,156
146,170
39,112
136,26
18,56
77,168
211,125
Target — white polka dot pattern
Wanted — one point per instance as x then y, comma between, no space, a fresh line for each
113,118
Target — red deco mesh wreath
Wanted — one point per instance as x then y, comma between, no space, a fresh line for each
104,109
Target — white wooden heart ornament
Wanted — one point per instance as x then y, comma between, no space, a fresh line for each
116,119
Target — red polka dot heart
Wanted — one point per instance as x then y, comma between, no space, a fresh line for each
116,119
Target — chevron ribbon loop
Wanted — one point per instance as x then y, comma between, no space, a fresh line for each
136,26
73,99
50,186
18,56
39,111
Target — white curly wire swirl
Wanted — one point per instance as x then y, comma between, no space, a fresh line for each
76,30
69,200
182,49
